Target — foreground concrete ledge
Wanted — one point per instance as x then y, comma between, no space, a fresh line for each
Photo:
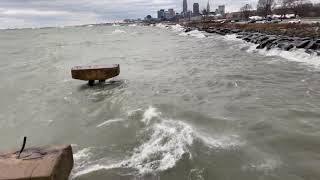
51,163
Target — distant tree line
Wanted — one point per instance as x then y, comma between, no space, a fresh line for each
302,8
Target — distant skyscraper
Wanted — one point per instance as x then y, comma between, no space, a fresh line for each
171,13
185,6
222,9
196,10
161,14
208,7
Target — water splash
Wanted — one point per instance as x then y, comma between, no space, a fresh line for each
169,140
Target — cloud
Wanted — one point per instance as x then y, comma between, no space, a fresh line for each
31,12
36,13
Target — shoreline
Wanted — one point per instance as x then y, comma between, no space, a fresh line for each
282,36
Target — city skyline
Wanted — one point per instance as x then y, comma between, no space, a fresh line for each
39,13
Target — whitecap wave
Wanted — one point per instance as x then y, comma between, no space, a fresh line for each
115,25
118,31
93,168
150,113
82,154
297,55
132,25
169,141
194,33
177,28
109,122
162,26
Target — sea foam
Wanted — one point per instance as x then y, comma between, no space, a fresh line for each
297,55
118,31
169,140
194,33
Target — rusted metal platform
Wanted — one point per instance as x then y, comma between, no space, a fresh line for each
95,72
54,163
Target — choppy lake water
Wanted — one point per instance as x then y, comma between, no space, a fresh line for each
187,106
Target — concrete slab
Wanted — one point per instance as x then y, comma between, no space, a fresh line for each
53,163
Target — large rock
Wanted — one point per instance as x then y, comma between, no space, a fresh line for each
265,43
312,45
54,163
303,44
288,47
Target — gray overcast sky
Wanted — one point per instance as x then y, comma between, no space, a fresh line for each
36,13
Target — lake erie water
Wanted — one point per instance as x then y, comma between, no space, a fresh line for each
186,106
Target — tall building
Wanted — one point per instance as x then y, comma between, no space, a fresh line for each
185,6
161,14
196,10
208,7
171,13
221,9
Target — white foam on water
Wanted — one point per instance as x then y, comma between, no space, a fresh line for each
296,55
132,112
162,26
150,113
231,37
132,25
169,140
194,33
177,28
82,154
109,122
167,144
220,142
118,31
93,168
115,25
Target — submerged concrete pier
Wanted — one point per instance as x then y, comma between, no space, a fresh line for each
95,72
53,163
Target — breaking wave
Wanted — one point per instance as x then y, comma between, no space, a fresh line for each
110,121
180,29
118,31
177,28
168,142
194,33
297,55
132,25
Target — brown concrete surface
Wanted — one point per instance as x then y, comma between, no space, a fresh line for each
97,72
53,163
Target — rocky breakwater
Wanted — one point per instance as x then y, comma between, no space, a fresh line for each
311,45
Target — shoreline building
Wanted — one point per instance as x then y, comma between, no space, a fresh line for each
221,9
185,13
161,14
185,6
171,13
196,9
208,7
